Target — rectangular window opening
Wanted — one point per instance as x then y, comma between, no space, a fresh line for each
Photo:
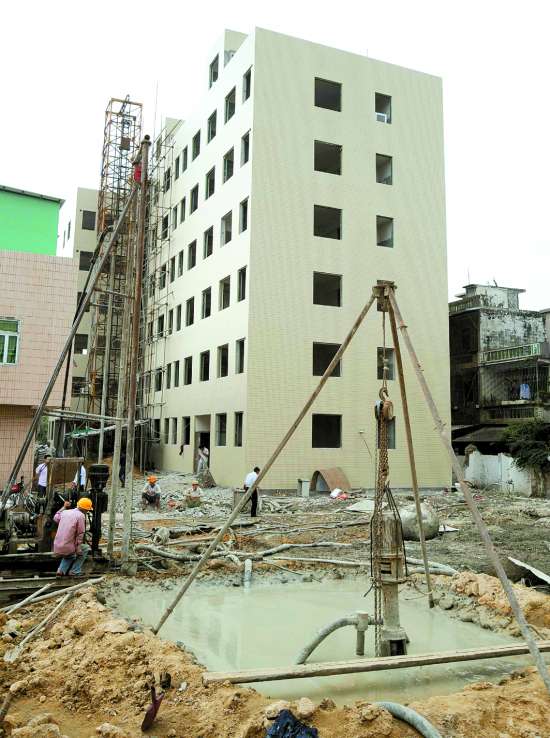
225,293
327,157
188,370
245,148
327,222
328,94
186,430
168,376
180,263
238,429
174,431
247,84
190,311
384,169
178,318
228,161
239,356
326,431
191,255
213,70
85,260
210,183
384,231
323,354
194,204
223,360
211,127
88,220
182,210
226,228
196,145
205,366
382,106
241,284
221,429
176,374
208,243
243,215
327,289
230,105
206,307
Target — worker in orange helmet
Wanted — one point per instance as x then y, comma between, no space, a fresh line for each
68,542
151,493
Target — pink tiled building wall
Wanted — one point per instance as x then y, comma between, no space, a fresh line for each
40,292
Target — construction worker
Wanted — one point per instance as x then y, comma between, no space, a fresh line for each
68,542
151,493
78,485
248,482
41,473
204,455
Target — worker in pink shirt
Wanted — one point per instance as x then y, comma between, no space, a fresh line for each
68,542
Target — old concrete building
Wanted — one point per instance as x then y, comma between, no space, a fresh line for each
500,358
304,175
36,309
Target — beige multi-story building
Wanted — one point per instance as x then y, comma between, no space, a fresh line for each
305,175
78,240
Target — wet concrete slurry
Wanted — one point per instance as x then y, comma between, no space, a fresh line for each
230,628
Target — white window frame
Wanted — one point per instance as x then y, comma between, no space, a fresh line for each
7,335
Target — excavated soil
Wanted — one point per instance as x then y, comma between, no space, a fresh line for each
90,673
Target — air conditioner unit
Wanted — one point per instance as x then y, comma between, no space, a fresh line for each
382,117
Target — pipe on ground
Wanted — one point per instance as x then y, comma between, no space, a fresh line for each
306,652
412,718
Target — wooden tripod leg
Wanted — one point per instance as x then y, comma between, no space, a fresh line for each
474,510
410,449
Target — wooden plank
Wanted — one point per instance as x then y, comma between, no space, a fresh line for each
356,666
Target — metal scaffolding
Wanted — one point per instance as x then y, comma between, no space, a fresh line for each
122,137
158,317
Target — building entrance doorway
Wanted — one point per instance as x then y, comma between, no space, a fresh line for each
202,441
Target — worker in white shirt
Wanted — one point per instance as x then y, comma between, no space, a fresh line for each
248,482
79,481
78,484
203,458
41,472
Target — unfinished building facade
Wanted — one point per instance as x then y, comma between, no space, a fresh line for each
305,175
500,358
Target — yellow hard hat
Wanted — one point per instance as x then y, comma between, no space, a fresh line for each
194,481
85,503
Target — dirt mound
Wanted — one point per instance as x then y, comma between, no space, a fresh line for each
92,672
488,592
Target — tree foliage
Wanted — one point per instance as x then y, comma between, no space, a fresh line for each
529,444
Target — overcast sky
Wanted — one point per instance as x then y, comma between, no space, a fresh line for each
61,61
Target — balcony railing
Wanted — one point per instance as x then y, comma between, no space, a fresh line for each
510,353
467,303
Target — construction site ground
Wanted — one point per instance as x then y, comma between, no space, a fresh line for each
89,672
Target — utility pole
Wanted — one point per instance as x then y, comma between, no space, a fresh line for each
134,355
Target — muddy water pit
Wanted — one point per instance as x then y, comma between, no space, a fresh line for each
231,628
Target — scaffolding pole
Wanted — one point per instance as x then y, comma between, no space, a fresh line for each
105,386
134,354
474,510
120,407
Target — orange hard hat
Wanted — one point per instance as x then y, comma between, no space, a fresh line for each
85,503
151,478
